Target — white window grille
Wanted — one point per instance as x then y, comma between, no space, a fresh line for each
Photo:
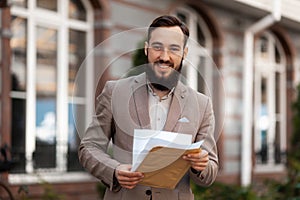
50,41
269,104
198,66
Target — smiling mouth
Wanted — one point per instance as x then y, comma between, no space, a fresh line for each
163,65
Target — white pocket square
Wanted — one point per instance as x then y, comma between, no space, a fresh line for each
184,119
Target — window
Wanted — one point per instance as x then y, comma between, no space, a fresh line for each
199,70
20,3
198,67
18,93
50,5
46,57
77,10
269,104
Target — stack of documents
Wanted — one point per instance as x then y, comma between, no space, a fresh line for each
158,154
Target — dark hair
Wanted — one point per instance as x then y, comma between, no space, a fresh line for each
168,21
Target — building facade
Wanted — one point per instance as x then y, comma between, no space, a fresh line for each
56,56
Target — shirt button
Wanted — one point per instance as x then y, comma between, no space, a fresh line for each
148,192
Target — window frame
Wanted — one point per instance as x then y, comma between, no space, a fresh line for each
267,68
62,23
195,51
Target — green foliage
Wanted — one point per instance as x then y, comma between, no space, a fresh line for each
50,194
221,191
279,191
139,59
293,191
101,190
23,192
294,154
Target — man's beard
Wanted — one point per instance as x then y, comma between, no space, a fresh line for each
163,83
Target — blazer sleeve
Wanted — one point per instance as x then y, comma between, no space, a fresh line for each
94,144
206,132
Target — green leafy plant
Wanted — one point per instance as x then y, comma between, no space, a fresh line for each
101,189
221,191
139,59
50,193
292,191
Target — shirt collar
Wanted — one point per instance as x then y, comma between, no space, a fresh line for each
154,94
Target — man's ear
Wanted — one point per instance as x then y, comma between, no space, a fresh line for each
146,48
185,51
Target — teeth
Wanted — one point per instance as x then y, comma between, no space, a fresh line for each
163,66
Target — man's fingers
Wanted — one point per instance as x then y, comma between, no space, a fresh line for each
196,158
199,161
129,174
205,159
203,154
128,183
128,179
199,164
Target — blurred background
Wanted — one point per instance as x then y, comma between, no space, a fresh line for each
244,54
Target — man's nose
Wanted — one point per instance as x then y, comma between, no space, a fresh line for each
164,55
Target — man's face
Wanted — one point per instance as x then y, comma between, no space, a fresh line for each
165,51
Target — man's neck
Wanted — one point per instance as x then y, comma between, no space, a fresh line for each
160,93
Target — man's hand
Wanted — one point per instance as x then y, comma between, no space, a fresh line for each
126,178
199,161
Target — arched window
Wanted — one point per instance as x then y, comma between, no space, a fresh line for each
269,104
198,67
50,41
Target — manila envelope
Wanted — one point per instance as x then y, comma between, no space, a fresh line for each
164,167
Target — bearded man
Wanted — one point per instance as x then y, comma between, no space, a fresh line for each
157,100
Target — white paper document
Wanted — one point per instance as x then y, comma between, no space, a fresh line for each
145,139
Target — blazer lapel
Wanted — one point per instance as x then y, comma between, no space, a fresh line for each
140,98
176,107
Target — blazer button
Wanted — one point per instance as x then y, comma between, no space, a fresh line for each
201,177
148,192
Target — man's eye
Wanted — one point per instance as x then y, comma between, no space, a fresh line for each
174,49
157,47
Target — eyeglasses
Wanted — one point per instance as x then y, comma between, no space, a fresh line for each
173,49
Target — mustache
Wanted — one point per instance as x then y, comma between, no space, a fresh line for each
164,62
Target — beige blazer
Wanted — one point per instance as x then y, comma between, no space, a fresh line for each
123,107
